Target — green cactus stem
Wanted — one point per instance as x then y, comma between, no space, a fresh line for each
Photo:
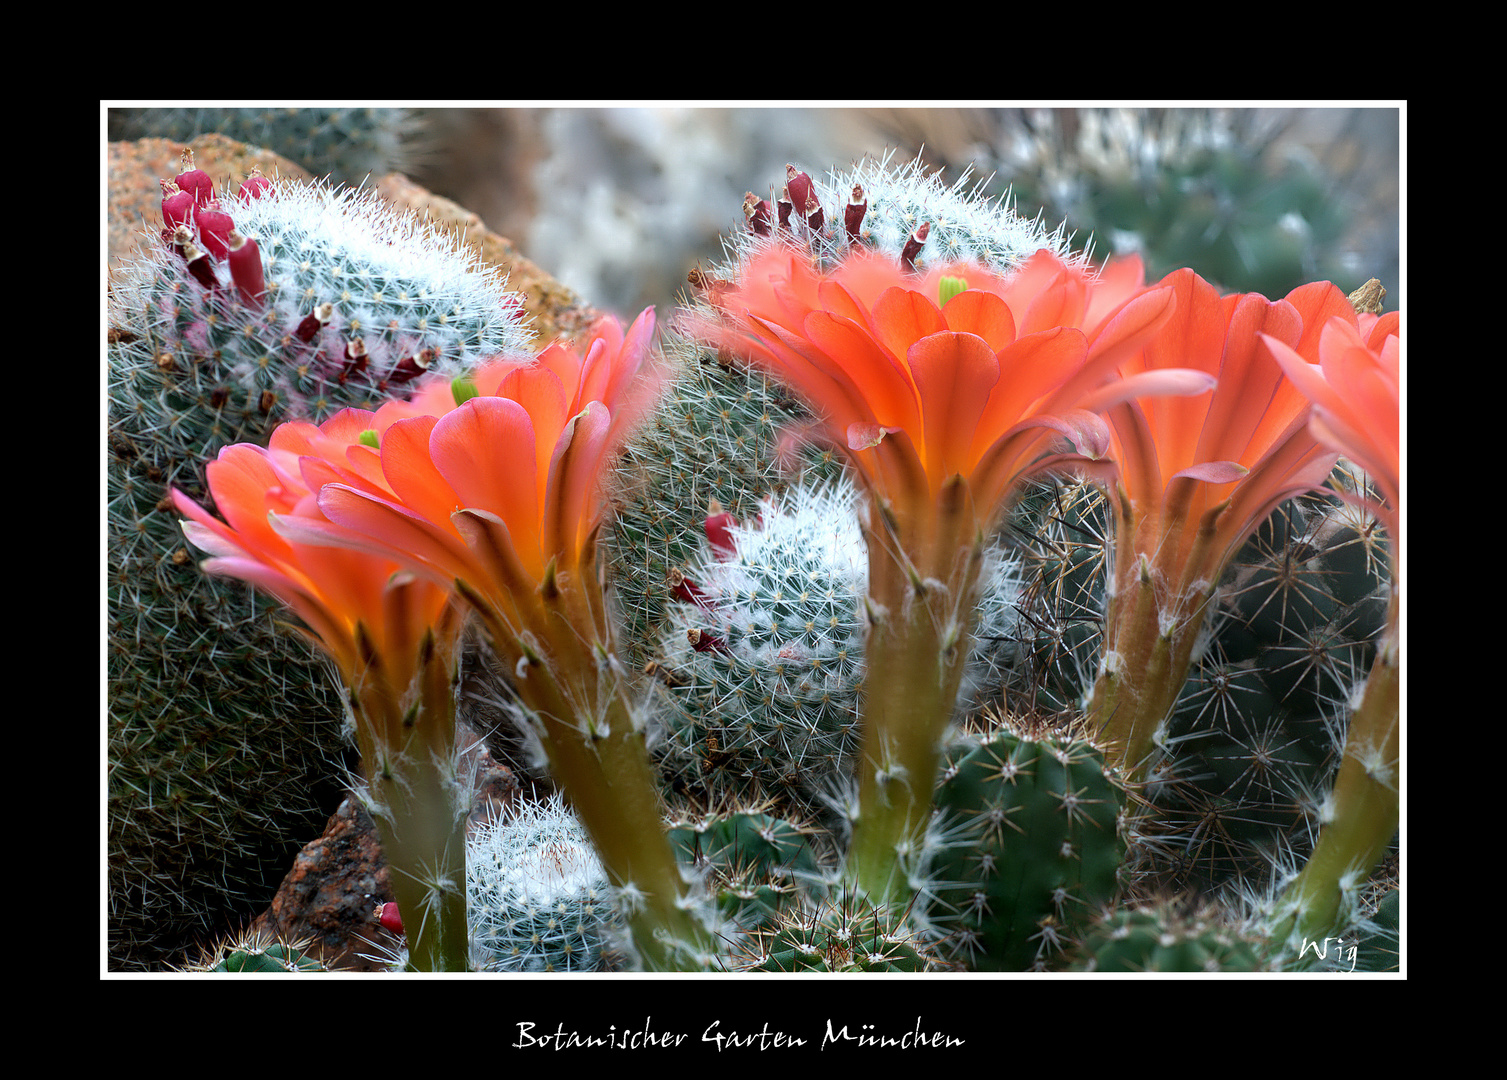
1362,813
923,575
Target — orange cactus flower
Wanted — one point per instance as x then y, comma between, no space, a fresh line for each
494,480
1356,390
953,372
492,484
333,591
1195,475
943,387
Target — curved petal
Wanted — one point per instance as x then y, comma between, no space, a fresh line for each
886,384
1214,472
1253,402
575,473
546,400
955,374
900,317
1166,382
384,528
486,452
410,472
1029,370
983,313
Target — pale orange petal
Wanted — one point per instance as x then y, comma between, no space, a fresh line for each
955,374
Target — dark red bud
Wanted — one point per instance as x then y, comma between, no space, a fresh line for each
852,217
182,238
200,265
802,192
757,211
177,205
913,246
411,367
215,226
688,592
246,268
719,525
314,322
196,181
355,359
388,916
256,185
785,206
702,642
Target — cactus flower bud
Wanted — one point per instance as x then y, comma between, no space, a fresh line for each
801,189
315,321
389,917
199,263
256,185
411,367
913,246
684,589
245,260
177,205
195,181
355,359
803,197
703,642
718,526
785,206
757,211
852,217
215,226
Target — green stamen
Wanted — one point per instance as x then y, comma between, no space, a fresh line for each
369,437
462,389
949,287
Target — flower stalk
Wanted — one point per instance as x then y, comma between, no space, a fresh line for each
418,803
923,576
1361,815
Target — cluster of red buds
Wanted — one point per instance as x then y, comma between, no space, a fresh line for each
193,216
798,197
199,228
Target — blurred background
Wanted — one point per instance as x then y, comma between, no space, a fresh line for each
619,203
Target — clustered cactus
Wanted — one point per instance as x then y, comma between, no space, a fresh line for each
274,302
736,555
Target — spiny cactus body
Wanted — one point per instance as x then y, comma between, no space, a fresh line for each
539,899
1255,736
841,932
1030,849
1170,936
755,862
764,661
